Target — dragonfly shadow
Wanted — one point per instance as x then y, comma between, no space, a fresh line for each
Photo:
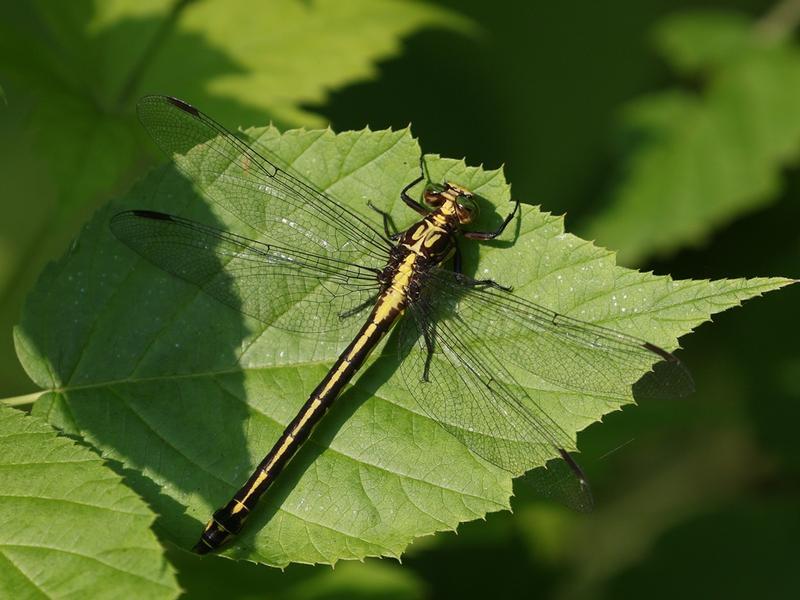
668,379
154,379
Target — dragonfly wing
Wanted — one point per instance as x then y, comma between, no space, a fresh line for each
471,394
574,355
280,287
253,188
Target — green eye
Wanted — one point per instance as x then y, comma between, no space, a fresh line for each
468,202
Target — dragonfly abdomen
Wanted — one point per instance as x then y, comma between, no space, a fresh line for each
229,520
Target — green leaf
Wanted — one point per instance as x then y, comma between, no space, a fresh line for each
184,391
696,41
372,580
70,528
281,55
699,161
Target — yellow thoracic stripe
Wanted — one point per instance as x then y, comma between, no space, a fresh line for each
423,234
431,239
440,221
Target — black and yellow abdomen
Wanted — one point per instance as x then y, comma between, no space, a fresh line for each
229,520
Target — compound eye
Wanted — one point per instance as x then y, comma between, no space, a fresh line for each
433,196
467,208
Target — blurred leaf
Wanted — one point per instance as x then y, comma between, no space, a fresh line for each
69,527
74,69
212,577
697,41
709,468
698,161
283,54
699,559
161,378
380,581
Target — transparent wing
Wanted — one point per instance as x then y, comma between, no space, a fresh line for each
283,208
475,398
282,287
465,346
558,350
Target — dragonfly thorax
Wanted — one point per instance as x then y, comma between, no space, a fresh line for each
431,239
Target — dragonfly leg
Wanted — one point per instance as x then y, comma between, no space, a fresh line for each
490,235
488,283
428,335
493,284
408,199
474,282
388,224
457,266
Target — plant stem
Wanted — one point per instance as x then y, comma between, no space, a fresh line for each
21,400
164,29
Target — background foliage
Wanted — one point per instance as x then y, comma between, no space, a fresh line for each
669,135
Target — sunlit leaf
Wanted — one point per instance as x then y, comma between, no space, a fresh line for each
69,528
180,389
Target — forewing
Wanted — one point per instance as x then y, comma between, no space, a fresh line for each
253,188
279,286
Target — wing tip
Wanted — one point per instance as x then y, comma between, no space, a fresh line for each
141,214
154,99
667,356
184,106
150,214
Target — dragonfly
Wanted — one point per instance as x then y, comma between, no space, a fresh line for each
322,269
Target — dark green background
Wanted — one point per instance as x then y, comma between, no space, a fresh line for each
697,497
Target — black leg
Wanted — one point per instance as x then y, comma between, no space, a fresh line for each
388,225
493,284
430,346
487,283
357,309
408,199
490,235
457,267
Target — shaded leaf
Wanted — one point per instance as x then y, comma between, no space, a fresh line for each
771,526
211,577
699,41
698,161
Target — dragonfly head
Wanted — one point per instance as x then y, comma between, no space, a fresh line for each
453,199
